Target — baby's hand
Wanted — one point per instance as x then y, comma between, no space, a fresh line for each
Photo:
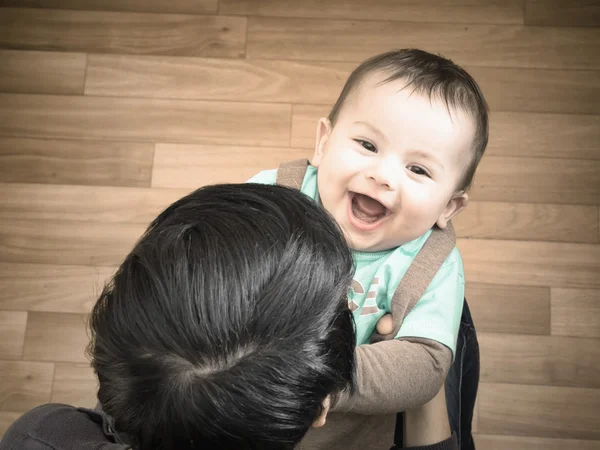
384,325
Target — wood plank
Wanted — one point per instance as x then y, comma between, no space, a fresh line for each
7,418
153,120
481,45
569,136
192,166
121,32
528,221
575,312
52,287
479,11
75,384
75,162
12,334
531,263
154,6
544,411
509,309
540,360
537,180
42,72
64,242
84,203
24,384
570,13
475,421
56,337
542,91
495,442
215,79
304,124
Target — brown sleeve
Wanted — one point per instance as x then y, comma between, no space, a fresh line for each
396,375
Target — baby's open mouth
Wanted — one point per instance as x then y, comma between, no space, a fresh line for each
367,209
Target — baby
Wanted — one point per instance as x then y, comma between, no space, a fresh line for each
394,160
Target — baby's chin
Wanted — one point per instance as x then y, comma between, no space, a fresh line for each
362,244
368,244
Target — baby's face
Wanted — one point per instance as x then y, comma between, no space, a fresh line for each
390,167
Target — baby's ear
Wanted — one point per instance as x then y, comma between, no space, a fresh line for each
323,132
457,203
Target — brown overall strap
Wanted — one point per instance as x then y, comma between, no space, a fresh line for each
291,174
419,275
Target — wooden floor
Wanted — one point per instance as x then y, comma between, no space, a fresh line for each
110,110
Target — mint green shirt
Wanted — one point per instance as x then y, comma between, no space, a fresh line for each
436,315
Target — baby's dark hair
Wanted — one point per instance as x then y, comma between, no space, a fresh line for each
436,77
227,325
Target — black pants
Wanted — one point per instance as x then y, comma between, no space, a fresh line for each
461,385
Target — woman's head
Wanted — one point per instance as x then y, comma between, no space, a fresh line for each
227,325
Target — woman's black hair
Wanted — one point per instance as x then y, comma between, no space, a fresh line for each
227,325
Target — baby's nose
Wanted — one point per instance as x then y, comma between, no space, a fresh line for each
383,177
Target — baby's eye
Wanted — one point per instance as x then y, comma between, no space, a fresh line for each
419,171
367,145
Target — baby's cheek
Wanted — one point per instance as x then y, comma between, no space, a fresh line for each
420,212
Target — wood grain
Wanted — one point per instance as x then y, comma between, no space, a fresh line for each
570,13
155,6
537,180
544,411
575,312
544,135
56,337
528,221
480,11
24,384
125,33
540,360
491,442
500,308
75,162
215,79
531,263
42,72
192,166
66,242
481,45
52,287
229,123
75,384
475,421
12,334
540,91
304,124
84,203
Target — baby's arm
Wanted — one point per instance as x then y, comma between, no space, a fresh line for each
408,371
396,375
425,427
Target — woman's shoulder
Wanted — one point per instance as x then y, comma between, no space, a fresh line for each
58,427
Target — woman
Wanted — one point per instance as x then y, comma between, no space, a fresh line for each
226,327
